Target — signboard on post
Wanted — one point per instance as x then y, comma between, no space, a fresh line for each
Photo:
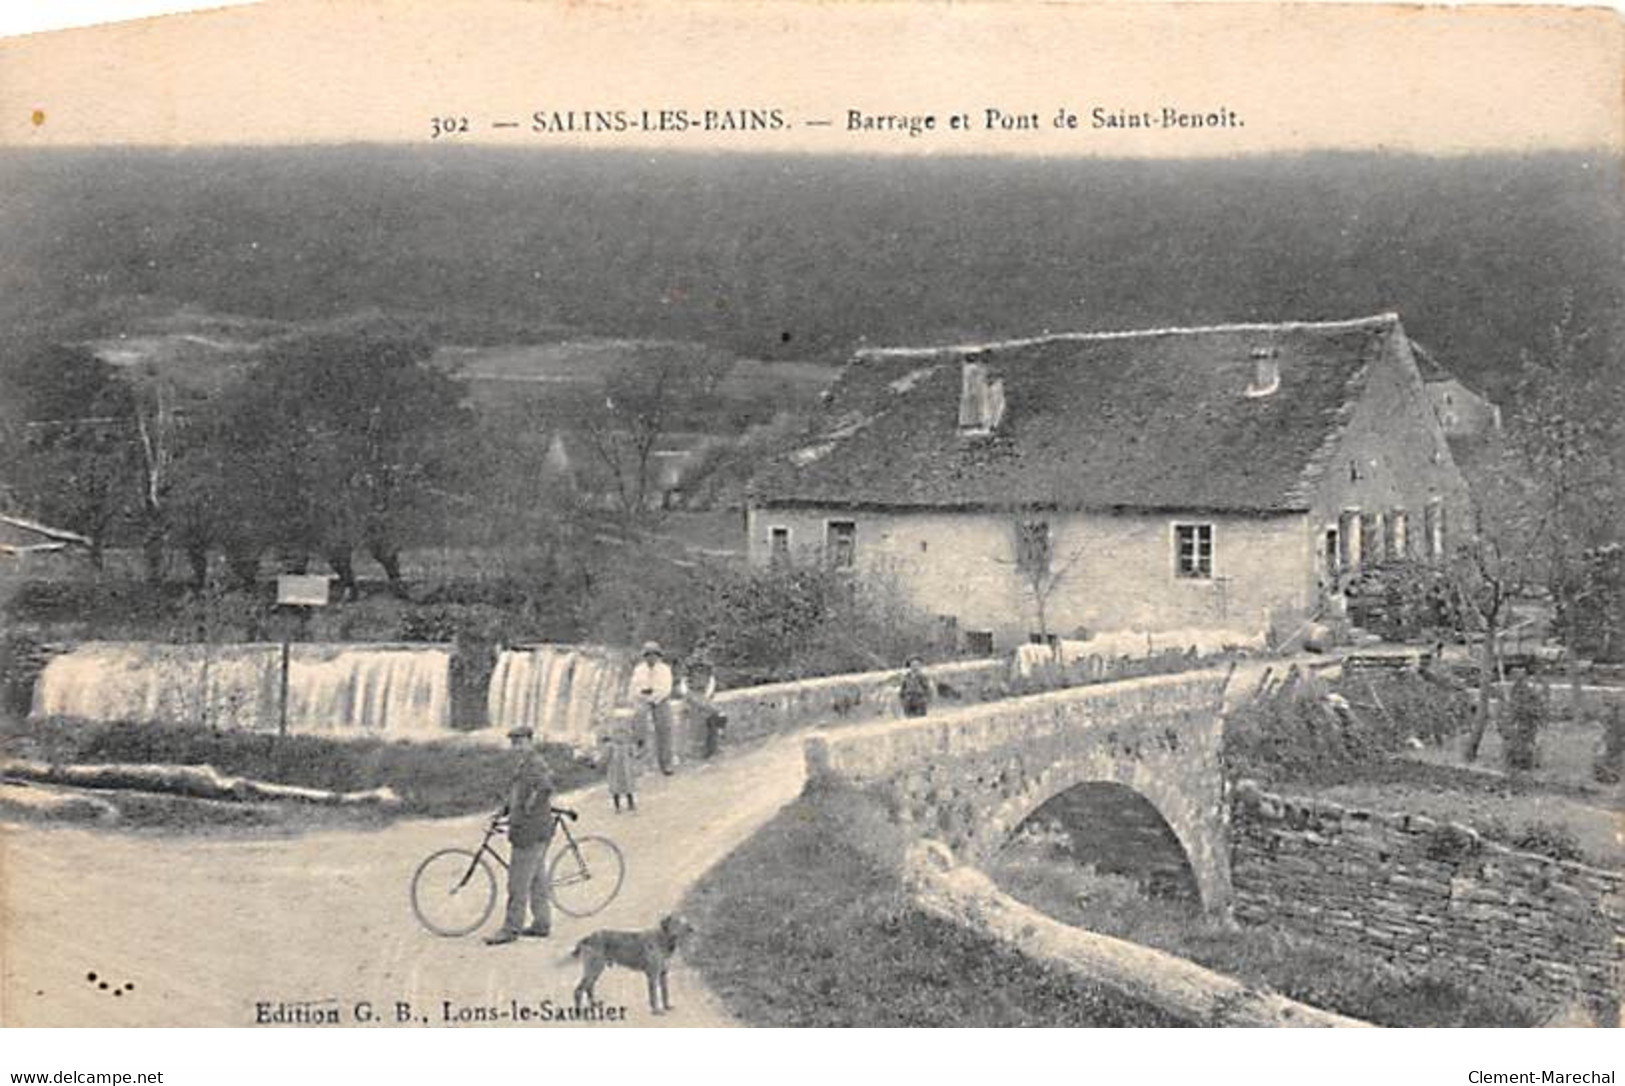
302,590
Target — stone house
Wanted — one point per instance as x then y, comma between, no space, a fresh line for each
1224,478
1462,412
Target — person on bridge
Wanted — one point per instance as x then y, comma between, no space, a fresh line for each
530,826
650,691
699,688
915,691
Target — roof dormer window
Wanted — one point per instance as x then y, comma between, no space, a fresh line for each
981,400
1266,372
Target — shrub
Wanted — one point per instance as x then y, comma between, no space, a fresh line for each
1310,731
1548,839
757,624
109,598
1520,727
1452,844
1401,599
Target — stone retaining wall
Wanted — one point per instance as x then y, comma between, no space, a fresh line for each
1419,892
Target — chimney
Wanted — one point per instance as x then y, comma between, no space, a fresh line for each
981,399
1266,372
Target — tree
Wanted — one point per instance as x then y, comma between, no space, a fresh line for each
1035,564
1566,432
1485,575
66,431
344,437
154,421
1032,533
658,389
1551,495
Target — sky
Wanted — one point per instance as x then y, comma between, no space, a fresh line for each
1049,79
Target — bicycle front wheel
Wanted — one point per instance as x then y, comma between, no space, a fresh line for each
586,875
453,891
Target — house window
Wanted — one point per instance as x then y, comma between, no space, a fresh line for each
1348,533
979,642
1434,524
1332,556
1033,547
1193,550
778,547
841,543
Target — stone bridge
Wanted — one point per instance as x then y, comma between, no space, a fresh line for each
968,777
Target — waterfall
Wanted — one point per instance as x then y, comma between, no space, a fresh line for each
227,686
393,692
562,691
389,691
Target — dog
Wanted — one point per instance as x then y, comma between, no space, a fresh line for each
649,952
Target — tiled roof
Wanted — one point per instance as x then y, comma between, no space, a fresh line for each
1154,419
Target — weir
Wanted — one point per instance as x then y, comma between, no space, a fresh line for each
389,691
561,691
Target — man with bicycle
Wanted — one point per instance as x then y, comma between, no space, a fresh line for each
530,826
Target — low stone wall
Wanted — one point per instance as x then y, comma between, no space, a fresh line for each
755,712
970,776
764,710
1418,892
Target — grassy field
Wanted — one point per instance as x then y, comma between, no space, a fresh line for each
1557,808
1306,971
807,925
1566,750
432,779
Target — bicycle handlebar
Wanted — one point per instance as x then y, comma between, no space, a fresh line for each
500,819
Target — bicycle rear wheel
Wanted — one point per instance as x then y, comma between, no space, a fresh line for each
453,891
585,876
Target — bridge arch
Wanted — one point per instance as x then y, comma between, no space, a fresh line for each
1112,830
1202,838
969,777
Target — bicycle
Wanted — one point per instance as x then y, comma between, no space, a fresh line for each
454,890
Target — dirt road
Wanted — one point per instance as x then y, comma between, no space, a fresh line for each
209,929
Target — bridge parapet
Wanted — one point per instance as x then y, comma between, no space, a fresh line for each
968,777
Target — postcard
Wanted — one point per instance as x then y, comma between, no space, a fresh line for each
798,514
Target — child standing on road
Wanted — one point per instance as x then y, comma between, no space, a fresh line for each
622,768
